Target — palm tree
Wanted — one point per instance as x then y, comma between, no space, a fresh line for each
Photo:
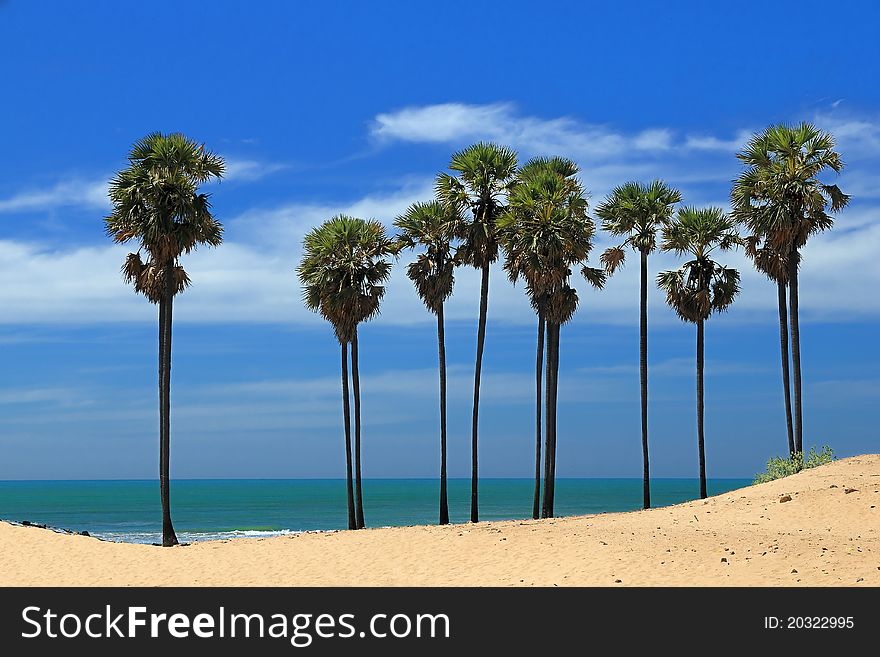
432,226
545,232
780,199
773,263
638,211
342,271
478,194
156,201
514,264
700,286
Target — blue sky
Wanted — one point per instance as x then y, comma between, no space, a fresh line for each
328,107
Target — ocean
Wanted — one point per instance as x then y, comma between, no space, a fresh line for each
207,509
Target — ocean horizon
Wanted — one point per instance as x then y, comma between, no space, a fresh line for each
128,510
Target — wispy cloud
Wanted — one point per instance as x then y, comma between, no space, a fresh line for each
389,386
65,193
857,137
713,143
461,122
675,367
64,397
250,170
846,389
286,224
91,192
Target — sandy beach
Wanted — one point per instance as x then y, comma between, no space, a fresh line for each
827,534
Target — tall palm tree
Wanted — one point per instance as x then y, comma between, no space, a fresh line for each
156,201
432,226
514,265
545,232
478,194
342,271
700,286
773,263
781,200
638,211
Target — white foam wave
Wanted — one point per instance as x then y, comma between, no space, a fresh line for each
193,537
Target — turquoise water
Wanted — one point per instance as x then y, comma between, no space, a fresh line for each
211,509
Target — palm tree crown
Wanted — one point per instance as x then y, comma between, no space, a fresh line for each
779,197
485,174
546,231
700,286
637,211
156,201
434,227
343,269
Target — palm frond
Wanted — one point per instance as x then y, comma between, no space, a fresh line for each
613,258
595,276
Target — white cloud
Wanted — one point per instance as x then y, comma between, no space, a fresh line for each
287,224
653,140
249,278
713,143
78,191
250,170
59,396
460,122
498,388
69,192
856,137
441,123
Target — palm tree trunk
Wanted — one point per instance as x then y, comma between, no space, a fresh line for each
556,342
346,419
643,376
539,389
796,349
481,339
169,538
552,504
700,408
161,382
552,385
548,419
786,377
441,353
356,390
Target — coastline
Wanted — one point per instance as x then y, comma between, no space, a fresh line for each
219,509
822,536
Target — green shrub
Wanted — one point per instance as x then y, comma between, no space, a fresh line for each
821,458
779,467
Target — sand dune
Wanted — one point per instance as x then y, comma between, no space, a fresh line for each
828,534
